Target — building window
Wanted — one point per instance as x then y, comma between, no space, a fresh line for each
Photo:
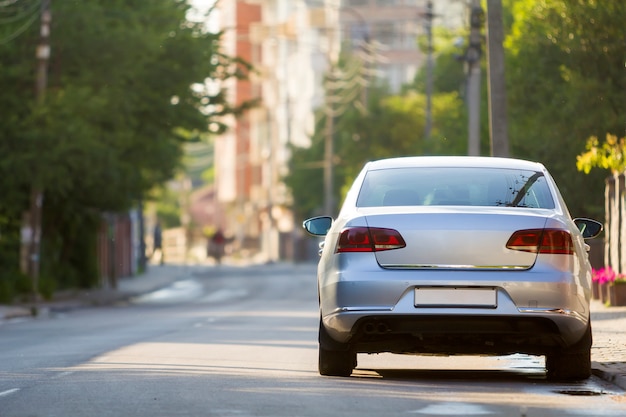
383,3
359,33
355,3
400,2
396,35
388,2
384,33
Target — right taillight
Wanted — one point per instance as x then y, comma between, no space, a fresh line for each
547,241
369,239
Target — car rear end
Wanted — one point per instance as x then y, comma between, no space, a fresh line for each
455,256
462,270
488,253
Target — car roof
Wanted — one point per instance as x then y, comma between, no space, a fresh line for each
455,161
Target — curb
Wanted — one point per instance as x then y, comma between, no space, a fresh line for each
153,279
605,372
46,308
8,313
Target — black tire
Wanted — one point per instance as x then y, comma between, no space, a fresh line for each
336,362
335,359
571,364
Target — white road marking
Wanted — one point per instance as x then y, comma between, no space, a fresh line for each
225,295
8,392
179,291
453,409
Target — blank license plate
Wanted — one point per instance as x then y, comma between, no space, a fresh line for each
455,297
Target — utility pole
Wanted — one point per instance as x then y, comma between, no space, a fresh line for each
330,113
36,197
329,150
362,33
474,53
367,56
429,69
497,91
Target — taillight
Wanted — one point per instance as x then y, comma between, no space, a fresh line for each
549,241
369,239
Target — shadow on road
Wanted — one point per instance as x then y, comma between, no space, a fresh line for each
470,375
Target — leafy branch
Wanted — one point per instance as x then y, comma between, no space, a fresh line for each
611,154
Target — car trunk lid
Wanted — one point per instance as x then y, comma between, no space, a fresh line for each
449,238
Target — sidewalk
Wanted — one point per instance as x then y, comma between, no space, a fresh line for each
608,353
155,278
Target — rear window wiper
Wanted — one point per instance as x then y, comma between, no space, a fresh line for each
524,190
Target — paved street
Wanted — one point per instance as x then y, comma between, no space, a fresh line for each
609,323
182,340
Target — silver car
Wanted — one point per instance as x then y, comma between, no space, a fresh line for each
455,255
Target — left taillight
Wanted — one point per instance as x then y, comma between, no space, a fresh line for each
369,239
546,241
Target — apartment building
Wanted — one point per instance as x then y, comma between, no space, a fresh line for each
275,37
291,44
392,28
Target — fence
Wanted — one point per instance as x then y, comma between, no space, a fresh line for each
119,247
615,226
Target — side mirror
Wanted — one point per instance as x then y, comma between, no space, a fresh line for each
588,227
318,226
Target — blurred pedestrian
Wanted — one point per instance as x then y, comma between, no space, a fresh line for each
157,243
216,245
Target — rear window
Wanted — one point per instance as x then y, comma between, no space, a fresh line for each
455,186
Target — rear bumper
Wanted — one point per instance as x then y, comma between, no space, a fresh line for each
404,328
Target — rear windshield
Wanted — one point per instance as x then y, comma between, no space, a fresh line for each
455,186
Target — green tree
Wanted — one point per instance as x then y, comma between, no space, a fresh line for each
125,78
566,83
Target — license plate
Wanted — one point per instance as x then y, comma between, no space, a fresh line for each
455,297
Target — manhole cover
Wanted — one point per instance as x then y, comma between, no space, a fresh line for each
584,393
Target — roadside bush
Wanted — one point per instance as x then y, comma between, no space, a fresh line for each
6,292
14,286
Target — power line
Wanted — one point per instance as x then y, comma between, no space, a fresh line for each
6,3
14,14
27,12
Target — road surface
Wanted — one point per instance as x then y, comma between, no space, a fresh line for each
230,341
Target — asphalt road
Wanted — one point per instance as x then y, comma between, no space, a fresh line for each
243,342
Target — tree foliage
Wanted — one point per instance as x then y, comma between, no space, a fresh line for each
125,77
566,83
610,155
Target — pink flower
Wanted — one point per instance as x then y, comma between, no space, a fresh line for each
603,275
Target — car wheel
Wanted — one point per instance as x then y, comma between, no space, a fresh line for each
334,362
573,363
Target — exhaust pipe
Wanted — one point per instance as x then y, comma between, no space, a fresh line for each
376,327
